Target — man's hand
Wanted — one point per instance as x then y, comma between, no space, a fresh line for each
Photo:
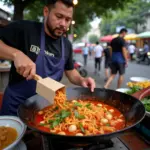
88,82
24,65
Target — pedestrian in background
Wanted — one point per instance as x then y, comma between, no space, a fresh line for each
145,49
85,52
98,51
131,49
119,58
107,56
90,51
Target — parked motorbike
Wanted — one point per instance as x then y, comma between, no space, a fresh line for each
143,57
80,68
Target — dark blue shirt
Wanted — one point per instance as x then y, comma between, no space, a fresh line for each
117,44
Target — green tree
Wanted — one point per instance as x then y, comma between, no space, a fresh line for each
19,7
130,17
93,38
85,11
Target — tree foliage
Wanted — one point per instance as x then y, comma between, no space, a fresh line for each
85,11
129,17
93,38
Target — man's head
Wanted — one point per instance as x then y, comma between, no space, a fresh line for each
145,42
97,43
123,32
57,17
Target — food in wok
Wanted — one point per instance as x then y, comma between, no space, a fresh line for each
79,118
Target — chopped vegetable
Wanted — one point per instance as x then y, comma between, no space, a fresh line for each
77,104
108,124
58,118
134,89
81,127
56,108
55,123
88,106
65,114
77,115
146,102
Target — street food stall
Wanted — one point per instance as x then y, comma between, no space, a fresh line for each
144,36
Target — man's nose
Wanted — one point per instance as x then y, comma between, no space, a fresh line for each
63,22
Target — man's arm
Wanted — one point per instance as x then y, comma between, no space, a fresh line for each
125,55
24,65
75,78
7,52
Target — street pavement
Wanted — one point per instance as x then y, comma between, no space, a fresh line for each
133,69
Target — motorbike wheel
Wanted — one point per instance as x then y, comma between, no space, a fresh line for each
83,73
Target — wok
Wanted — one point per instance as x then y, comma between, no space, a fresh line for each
131,107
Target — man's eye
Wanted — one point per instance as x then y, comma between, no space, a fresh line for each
68,20
58,16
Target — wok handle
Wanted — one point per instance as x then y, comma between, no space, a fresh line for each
142,93
37,77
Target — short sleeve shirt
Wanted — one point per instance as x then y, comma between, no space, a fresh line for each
25,36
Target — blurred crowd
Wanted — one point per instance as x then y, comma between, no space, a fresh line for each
116,55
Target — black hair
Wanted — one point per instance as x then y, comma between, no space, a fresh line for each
97,43
69,3
123,30
108,44
145,42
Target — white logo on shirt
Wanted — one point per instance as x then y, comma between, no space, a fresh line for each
35,49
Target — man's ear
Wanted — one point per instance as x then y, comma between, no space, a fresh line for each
45,11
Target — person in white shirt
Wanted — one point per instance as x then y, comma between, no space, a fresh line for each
131,50
98,52
85,52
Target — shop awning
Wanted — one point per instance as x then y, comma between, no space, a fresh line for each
131,37
144,35
107,38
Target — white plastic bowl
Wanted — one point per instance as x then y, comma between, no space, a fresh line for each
123,90
139,79
16,123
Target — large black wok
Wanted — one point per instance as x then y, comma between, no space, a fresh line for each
131,107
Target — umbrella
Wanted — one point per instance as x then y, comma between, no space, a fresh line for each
144,35
107,38
131,37
115,35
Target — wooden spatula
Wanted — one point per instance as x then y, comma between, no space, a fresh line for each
47,87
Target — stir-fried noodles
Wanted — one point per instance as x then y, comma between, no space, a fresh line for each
79,117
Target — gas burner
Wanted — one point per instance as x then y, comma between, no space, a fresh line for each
113,144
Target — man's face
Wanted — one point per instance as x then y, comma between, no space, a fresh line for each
58,19
124,34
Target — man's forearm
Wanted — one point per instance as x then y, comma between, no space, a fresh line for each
74,77
7,52
124,51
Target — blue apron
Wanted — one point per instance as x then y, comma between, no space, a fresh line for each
46,66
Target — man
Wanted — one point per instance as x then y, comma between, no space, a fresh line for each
107,60
98,51
38,48
85,52
131,49
145,49
119,58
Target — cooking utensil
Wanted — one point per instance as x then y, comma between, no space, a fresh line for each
47,87
131,107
